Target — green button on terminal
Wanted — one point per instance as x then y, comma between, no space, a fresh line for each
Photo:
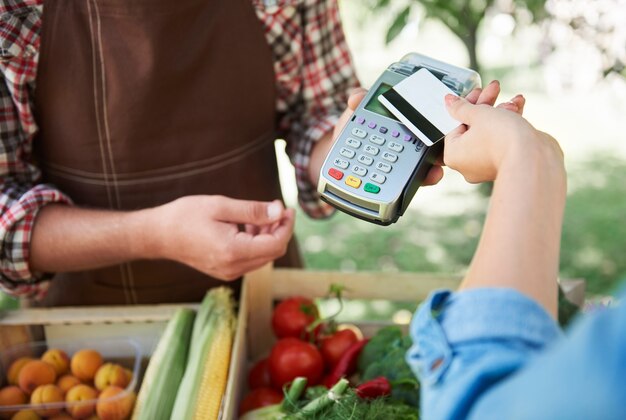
371,188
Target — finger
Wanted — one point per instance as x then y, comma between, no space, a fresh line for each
269,245
245,211
489,94
356,96
241,268
251,229
510,106
520,101
472,97
434,175
455,133
460,109
516,104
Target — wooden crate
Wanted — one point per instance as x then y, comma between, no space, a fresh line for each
253,338
262,288
122,334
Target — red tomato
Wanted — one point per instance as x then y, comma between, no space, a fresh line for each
291,317
291,358
258,398
334,346
259,375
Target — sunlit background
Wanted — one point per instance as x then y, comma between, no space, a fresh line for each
567,57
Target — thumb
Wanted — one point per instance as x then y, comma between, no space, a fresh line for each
460,109
356,96
253,212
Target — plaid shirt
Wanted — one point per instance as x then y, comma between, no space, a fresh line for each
313,73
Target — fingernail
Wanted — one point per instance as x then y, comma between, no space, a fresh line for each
450,99
274,210
494,81
512,104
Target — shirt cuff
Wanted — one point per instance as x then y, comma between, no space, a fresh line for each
447,320
16,224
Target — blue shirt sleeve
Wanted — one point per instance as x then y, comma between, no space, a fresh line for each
494,353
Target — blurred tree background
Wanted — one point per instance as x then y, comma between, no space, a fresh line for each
568,57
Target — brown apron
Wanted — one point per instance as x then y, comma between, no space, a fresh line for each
140,102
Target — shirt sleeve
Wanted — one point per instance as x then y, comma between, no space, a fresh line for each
327,76
467,343
20,195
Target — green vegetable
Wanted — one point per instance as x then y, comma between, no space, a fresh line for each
340,403
379,346
351,407
165,370
384,356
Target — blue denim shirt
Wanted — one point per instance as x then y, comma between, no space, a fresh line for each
496,354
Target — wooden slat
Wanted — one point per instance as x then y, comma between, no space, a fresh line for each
400,287
259,285
91,315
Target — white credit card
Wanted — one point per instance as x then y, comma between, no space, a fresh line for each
418,102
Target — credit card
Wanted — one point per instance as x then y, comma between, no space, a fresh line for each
418,102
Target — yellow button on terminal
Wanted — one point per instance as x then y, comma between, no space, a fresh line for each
353,181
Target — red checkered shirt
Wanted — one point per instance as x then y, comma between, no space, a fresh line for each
313,73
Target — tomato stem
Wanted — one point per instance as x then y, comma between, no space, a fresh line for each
336,291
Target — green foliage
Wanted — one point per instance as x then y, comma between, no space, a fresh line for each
384,356
351,407
594,232
567,310
462,17
593,244
397,25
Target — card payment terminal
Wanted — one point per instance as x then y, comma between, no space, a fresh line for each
376,164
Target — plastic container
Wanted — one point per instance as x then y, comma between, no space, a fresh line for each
123,351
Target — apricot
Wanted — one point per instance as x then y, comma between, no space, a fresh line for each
35,373
46,394
26,415
11,395
81,400
129,374
14,369
115,403
66,382
85,364
110,374
59,360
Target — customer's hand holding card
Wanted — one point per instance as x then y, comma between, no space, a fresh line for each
418,102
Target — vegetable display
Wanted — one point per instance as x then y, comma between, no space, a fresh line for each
321,372
187,374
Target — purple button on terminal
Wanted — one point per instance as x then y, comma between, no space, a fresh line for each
407,137
383,130
360,120
395,133
372,125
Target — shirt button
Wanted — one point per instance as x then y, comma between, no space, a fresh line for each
438,362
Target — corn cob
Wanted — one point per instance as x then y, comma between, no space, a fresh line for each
215,373
200,391
165,370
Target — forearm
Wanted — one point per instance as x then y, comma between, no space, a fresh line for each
318,155
519,247
67,238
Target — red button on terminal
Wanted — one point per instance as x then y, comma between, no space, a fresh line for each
337,174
